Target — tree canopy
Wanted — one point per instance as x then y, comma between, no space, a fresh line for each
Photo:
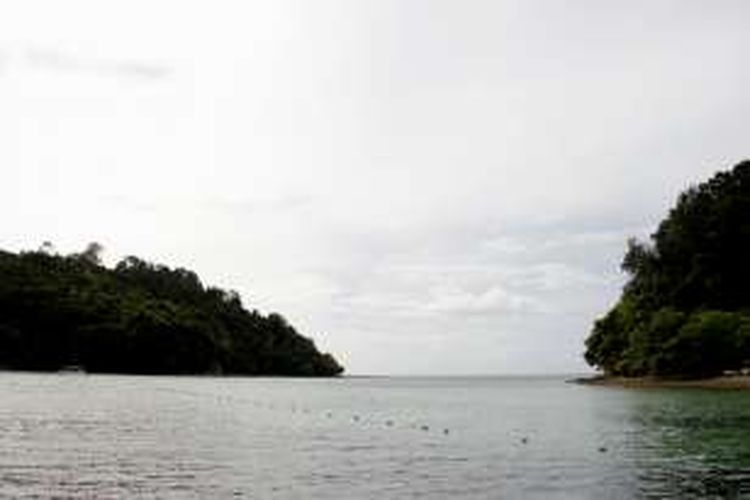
139,317
685,309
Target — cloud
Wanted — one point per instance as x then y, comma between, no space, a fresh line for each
440,301
495,300
60,61
223,206
556,276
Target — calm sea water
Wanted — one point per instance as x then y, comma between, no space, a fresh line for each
357,438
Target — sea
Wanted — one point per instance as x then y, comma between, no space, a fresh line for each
73,435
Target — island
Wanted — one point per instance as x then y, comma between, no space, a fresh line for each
684,312
70,312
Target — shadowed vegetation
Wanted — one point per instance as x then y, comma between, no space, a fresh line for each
685,310
139,317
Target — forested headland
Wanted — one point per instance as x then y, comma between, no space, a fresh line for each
138,317
685,309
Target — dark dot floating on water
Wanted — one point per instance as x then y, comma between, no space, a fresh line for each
389,423
355,418
524,440
446,431
425,428
602,449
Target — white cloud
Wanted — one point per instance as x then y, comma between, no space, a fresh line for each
556,276
55,60
494,300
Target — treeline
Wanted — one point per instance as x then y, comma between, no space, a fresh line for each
57,311
685,310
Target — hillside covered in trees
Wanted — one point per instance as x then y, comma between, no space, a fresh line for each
57,311
685,310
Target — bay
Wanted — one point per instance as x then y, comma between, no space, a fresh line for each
84,436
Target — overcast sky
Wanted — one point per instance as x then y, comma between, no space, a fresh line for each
423,187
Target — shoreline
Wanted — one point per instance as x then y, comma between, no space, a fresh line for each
723,382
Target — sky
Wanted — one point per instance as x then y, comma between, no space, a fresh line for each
422,187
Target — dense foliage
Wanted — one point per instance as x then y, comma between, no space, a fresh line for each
57,311
685,310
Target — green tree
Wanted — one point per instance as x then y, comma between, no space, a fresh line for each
687,288
138,318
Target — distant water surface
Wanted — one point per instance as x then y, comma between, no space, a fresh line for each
83,436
